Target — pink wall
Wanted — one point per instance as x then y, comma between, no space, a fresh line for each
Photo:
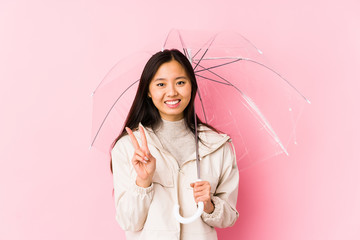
54,53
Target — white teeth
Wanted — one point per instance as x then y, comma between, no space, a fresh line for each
172,102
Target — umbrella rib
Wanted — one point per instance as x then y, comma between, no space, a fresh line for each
260,64
217,58
186,53
108,73
220,65
207,49
254,107
213,80
197,53
207,43
284,79
200,59
167,37
183,45
107,114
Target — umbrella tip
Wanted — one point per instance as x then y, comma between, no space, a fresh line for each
92,94
308,101
260,51
90,147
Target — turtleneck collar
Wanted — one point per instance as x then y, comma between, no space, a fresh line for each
173,128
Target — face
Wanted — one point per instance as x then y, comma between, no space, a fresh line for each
170,90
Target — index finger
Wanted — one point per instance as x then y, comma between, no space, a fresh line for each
133,138
201,183
143,139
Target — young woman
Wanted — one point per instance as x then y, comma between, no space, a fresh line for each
154,160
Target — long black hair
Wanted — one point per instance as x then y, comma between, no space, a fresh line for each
143,109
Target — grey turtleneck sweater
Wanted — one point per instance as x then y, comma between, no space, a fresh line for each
177,139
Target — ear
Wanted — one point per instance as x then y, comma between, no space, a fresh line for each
149,95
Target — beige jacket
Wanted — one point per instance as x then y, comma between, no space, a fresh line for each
147,213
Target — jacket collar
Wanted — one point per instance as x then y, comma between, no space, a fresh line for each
211,141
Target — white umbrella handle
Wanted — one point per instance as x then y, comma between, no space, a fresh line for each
187,220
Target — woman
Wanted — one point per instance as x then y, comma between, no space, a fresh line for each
153,159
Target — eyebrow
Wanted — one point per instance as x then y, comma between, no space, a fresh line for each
181,77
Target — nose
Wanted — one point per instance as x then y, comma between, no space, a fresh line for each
171,91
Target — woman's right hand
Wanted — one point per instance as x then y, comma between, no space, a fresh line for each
144,163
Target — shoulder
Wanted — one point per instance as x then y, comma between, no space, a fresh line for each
212,141
123,145
210,136
125,141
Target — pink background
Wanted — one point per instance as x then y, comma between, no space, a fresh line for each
54,53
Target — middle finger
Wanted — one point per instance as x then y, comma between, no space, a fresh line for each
143,139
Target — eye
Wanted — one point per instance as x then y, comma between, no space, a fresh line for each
160,84
180,83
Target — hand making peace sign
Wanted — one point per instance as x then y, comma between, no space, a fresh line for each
144,163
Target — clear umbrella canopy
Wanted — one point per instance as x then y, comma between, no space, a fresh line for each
238,94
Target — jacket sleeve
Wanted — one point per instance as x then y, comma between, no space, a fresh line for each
225,196
131,201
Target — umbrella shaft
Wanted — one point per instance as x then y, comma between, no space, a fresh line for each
197,147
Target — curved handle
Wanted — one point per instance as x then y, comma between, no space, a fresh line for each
183,220
187,220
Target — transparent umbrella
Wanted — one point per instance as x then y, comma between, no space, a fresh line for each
239,94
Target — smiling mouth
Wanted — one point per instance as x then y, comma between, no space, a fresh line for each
172,103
